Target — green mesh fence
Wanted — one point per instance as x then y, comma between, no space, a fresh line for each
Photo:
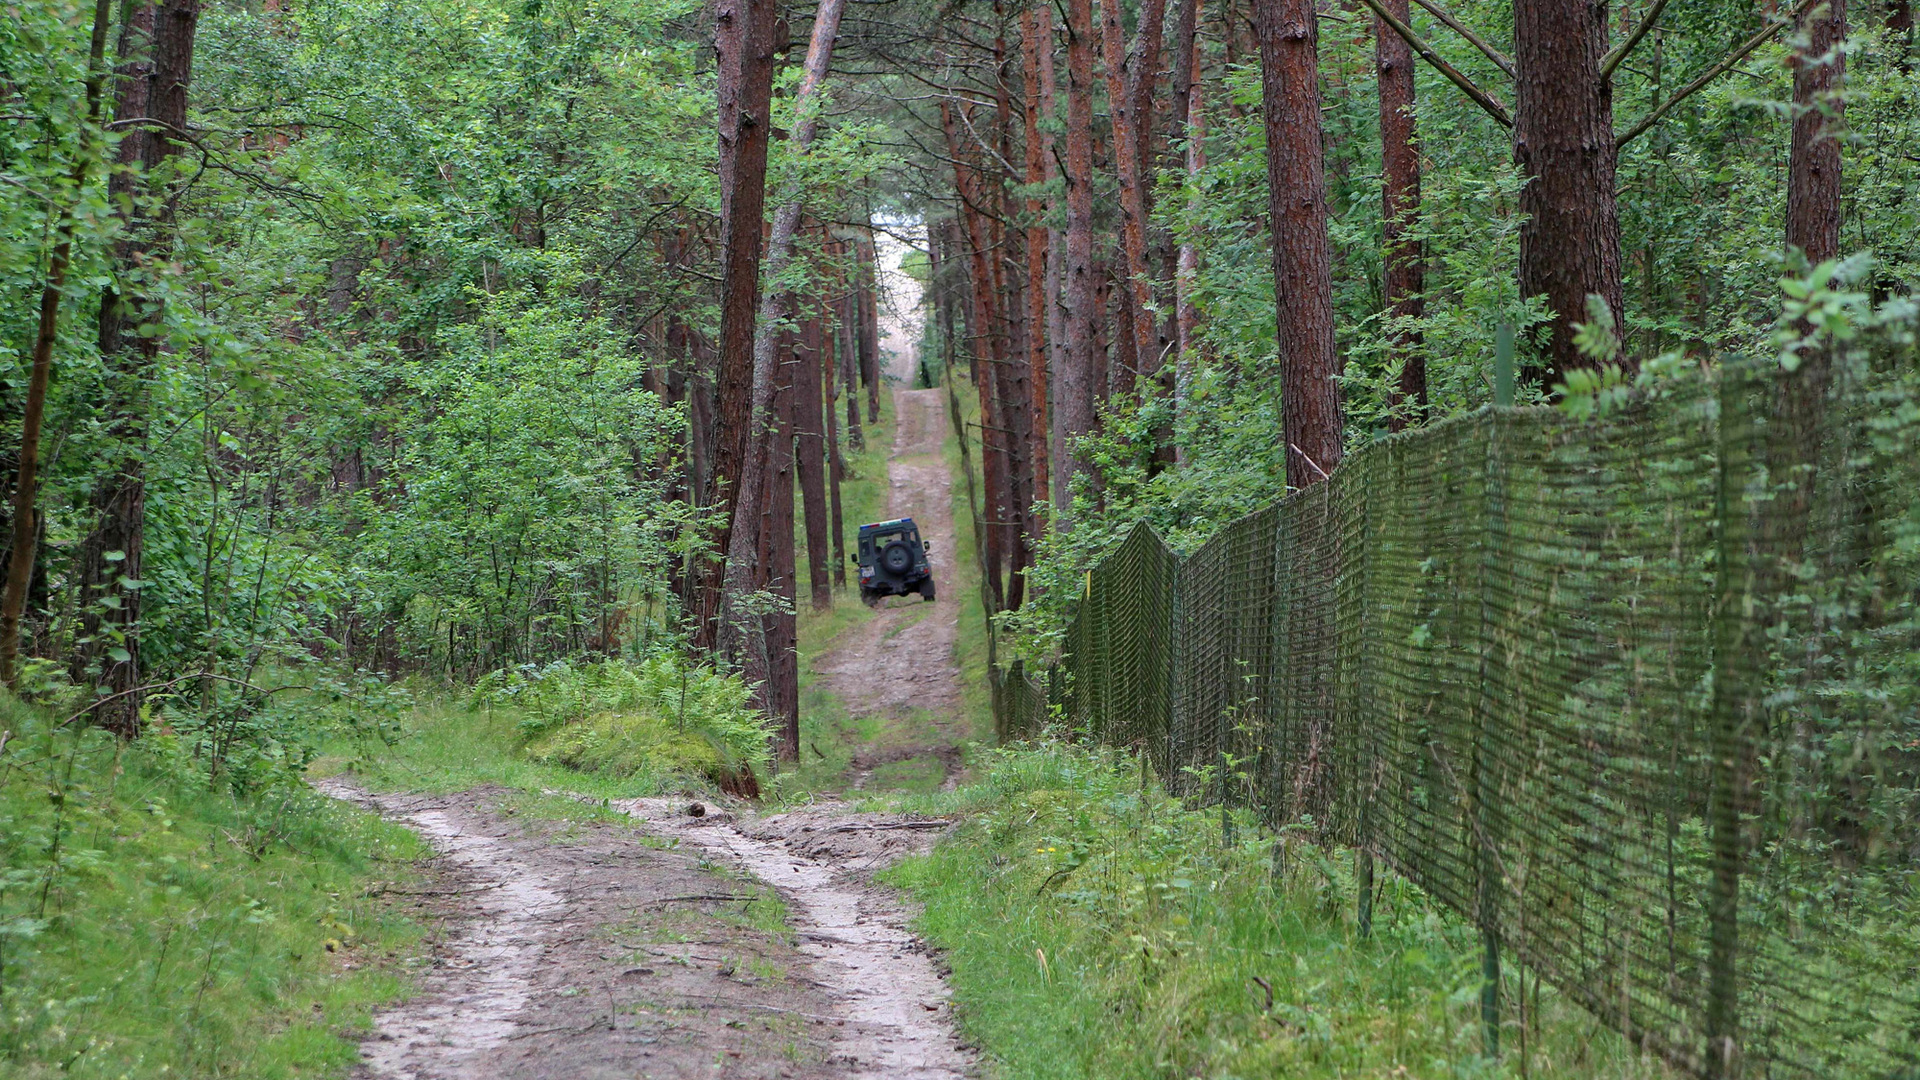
1636,694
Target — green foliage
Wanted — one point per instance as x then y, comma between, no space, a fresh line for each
153,925
1098,928
660,717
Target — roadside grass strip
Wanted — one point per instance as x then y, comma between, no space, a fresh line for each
1099,929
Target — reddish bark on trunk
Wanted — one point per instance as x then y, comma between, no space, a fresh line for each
1036,41
836,465
1403,275
744,40
869,304
985,355
810,448
1310,417
1191,86
1563,141
158,90
1128,74
1076,390
780,693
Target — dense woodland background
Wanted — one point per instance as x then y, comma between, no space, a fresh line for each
392,338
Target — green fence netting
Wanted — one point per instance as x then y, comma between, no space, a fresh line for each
1636,693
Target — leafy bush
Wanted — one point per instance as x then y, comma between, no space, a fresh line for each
660,717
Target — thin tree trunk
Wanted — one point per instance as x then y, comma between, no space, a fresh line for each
1813,228
1127,76
744,41
985,355
780,692
22,552
774,310
1403,276
1036,25
26,533
1013,374
847,313
836,465
1074,401
1192,87
1310,417
1563,141
810,447
870,322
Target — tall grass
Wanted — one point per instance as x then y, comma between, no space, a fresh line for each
1098,929
153,924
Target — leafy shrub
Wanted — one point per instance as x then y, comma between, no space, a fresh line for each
660,716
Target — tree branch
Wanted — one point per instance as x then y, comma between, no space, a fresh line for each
1618,53
1712,73
1480,97
1499,59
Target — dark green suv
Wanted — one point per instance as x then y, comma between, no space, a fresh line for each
892,561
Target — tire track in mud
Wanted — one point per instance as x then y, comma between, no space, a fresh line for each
610,950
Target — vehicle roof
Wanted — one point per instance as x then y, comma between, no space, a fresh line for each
896,523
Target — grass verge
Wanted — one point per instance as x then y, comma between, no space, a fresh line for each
1098,929
152,924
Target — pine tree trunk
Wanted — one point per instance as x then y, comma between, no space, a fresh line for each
775,308
1128,75
1036,25
1813,228
836,465
1403,274
1191,86
1013,376
1076,389
870,323
744,42
1310,418
846,334
985,357
810,447
111,627
1563,142
780,693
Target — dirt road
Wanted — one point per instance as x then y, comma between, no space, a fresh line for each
900,666
659,943
654,947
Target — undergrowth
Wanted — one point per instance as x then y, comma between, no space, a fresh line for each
659,718
157,920
1098,928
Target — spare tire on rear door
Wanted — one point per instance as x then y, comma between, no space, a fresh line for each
897,558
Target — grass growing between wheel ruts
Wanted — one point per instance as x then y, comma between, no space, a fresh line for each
155,924
1098,929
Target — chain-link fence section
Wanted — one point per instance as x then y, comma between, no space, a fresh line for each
1636,694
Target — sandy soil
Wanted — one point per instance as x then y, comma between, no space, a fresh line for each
653,950
900,667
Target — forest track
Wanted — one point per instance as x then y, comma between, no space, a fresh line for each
901,666
583,951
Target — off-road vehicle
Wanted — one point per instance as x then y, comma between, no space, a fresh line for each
893,561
